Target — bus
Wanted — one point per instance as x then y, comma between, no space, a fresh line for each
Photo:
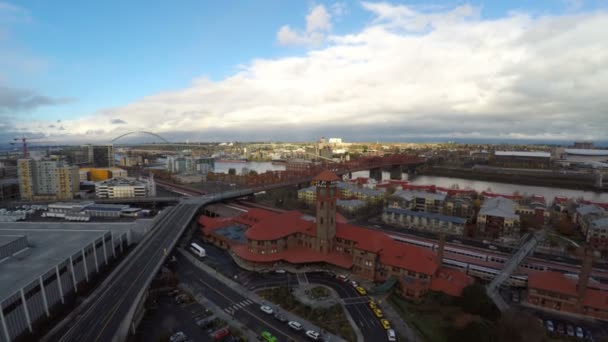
198,250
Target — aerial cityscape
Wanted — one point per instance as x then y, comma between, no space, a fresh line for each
297,171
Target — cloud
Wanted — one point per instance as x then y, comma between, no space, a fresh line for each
318,23
13,99
408,74
117,122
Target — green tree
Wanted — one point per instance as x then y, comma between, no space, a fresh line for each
475,301
519,326
232,171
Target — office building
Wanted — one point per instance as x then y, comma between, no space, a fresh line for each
125,188
103,156
47,179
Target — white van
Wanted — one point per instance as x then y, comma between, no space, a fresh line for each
391,335
198,250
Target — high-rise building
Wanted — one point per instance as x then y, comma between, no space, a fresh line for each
47,179
103,155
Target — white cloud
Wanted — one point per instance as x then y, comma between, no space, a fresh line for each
318,23
409,74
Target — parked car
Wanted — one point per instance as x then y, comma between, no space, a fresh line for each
221,334
312,334
549,325
579,332
390,334
570,330
280,318
354,283
515,297
178,337
361,290
378,313
385,324
280,271
560,328
342,277
295,325
266,309
372,305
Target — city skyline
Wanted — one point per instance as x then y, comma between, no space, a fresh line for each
364,71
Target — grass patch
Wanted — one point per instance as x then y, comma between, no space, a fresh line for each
430,319
332,319
318,292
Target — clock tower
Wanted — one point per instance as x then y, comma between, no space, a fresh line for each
327,195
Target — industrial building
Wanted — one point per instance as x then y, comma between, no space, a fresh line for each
42,269
521,159
125,188
47,179
101,174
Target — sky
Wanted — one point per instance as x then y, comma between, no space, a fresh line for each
80,72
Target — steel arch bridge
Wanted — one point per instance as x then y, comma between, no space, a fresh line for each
141,132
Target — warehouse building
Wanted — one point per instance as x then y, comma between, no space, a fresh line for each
42,269
521,159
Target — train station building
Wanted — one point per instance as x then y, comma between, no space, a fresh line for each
265,238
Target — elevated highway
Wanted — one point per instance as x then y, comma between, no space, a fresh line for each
106,315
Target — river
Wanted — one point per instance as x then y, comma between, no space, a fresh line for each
505,188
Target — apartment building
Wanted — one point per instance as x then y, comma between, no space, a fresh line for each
47,179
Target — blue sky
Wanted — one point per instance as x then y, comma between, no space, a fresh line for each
97,58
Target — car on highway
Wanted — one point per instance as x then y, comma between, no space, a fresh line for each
579,332
391,335
266,309
312,334
550,327
378,313
281,318
268,337
385,324
280,271
570,330
297,326
361,290
372,305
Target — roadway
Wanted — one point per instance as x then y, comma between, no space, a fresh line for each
356,304
238,304
99,318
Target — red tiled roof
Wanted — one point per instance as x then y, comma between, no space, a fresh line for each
391,252
275,226
560,283
326,176
298,255
450,282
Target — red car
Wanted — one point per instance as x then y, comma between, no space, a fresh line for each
221,334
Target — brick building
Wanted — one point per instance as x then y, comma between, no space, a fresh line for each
264,238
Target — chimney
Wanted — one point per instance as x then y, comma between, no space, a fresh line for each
440,248
583,277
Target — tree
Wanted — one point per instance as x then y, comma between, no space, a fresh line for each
253,173
565,227
232,171
475,301
519,326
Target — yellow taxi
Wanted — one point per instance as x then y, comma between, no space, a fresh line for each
378,313
361,290
372,305
385,324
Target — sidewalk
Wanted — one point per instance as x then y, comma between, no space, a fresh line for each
397,322
252,295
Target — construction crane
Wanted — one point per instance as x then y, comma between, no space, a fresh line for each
23,139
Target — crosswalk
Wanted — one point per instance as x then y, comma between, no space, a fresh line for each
302,279
233,308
